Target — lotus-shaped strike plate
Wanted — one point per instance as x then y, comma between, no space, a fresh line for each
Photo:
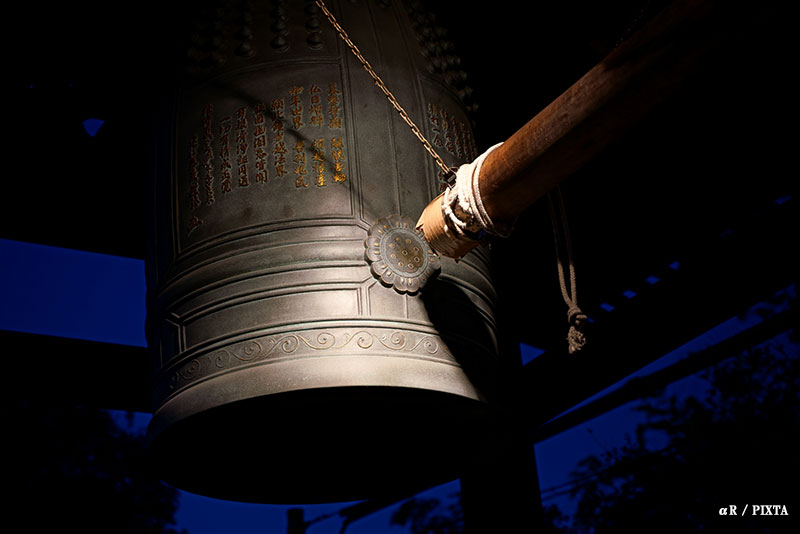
398,254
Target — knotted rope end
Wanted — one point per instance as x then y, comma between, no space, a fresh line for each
576,339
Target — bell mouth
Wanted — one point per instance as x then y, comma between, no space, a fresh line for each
321,445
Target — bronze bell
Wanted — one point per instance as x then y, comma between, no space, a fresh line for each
286,367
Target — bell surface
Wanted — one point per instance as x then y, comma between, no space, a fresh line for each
288,365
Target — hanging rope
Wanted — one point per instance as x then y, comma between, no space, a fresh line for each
575,317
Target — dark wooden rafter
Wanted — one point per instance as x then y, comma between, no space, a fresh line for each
613,97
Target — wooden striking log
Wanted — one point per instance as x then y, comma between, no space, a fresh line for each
644,71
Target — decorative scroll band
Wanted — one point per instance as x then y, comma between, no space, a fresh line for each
307,344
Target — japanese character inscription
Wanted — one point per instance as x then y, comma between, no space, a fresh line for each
298,133
451,134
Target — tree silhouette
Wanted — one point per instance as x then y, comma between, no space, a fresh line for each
431,515
436,516
70,467
735,445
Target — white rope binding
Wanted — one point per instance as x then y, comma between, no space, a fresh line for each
462,205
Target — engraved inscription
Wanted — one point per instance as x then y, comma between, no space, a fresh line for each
241,145
334,117
468,141
279,148
319,161
194,170
436,121
194,222
208,148
448,135
300,164
337,152
225,154
235,146
317,118
296,106
457,137
260,143
451,134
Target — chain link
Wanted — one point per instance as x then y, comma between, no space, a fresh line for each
447,171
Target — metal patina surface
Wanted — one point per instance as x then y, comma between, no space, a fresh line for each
284,369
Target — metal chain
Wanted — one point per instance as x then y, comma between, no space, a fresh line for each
447,171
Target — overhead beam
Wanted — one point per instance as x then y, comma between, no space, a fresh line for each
639,387
643,72
718,281
61,369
